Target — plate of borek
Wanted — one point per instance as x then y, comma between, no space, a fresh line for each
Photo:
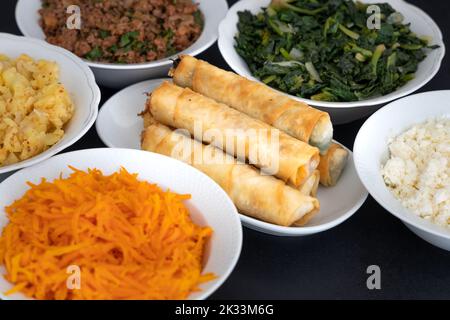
275,157
115,224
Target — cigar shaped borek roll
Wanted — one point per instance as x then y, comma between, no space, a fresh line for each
262,197
215,123
311,185
332,164
257,100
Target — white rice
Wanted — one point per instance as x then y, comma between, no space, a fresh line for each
418,171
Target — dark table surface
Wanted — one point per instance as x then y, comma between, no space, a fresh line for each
333,264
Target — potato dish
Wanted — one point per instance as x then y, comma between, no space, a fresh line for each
34,108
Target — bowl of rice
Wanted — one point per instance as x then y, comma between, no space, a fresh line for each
402,155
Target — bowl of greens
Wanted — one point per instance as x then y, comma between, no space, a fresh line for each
344,57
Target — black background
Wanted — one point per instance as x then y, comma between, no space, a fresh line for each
330,265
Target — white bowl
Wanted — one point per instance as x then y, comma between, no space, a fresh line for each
118,75
77,78
371,152
343,112
209,205
119,126
337,205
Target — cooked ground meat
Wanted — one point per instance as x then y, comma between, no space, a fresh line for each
123,31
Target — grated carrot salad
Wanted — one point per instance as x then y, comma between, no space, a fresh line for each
130,240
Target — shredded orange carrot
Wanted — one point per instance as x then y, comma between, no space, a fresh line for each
129,239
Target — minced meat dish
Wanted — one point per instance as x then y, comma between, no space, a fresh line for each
123,31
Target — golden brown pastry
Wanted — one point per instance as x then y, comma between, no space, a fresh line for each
257,100
261,197
332,164
206,120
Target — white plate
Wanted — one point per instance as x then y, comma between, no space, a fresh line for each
118,123
343,112
117,75
209,205
371,152
119,127
76,77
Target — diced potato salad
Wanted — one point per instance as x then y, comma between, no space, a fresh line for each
34,107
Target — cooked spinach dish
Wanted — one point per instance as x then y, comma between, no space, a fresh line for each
330,50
